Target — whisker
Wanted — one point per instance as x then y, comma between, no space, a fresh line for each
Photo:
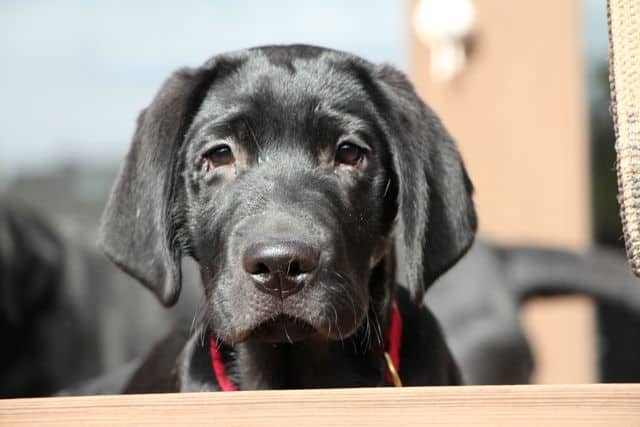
367,332
199,314
378,327
386,188
286,332
335,313
353,305
253,137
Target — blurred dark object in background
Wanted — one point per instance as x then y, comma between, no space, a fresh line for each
66,313
72,195
478,305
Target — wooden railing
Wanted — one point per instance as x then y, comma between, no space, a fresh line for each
541,405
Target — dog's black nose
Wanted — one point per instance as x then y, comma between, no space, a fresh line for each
280,268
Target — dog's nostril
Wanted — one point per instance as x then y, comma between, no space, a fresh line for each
260,268
294,269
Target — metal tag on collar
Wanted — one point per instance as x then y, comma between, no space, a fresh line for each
395,377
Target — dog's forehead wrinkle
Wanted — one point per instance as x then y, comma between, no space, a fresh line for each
281,107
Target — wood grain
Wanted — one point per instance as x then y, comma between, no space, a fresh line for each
544,405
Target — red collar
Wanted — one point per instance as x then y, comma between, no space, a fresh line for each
392,346
391,351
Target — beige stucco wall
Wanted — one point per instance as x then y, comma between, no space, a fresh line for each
518,113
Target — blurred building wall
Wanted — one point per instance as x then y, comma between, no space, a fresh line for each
518,113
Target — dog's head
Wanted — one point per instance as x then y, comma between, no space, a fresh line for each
283,171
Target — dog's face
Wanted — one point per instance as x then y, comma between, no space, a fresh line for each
282,171
287,181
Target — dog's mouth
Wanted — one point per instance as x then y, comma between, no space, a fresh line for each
283,329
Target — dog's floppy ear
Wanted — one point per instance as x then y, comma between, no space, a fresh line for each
140,226
438,218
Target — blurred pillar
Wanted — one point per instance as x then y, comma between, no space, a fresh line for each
518,113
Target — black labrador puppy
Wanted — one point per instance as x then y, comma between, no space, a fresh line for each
292,174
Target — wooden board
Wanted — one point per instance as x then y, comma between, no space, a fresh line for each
544,405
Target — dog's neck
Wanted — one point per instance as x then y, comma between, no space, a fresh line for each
309,364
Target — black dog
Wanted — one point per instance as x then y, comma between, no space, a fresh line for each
290,174
66,313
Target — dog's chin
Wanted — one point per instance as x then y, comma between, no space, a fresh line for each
283,329
288,329
292,328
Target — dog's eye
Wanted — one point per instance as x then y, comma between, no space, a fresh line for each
349,154
218,156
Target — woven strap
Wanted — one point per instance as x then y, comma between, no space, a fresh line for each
624,76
